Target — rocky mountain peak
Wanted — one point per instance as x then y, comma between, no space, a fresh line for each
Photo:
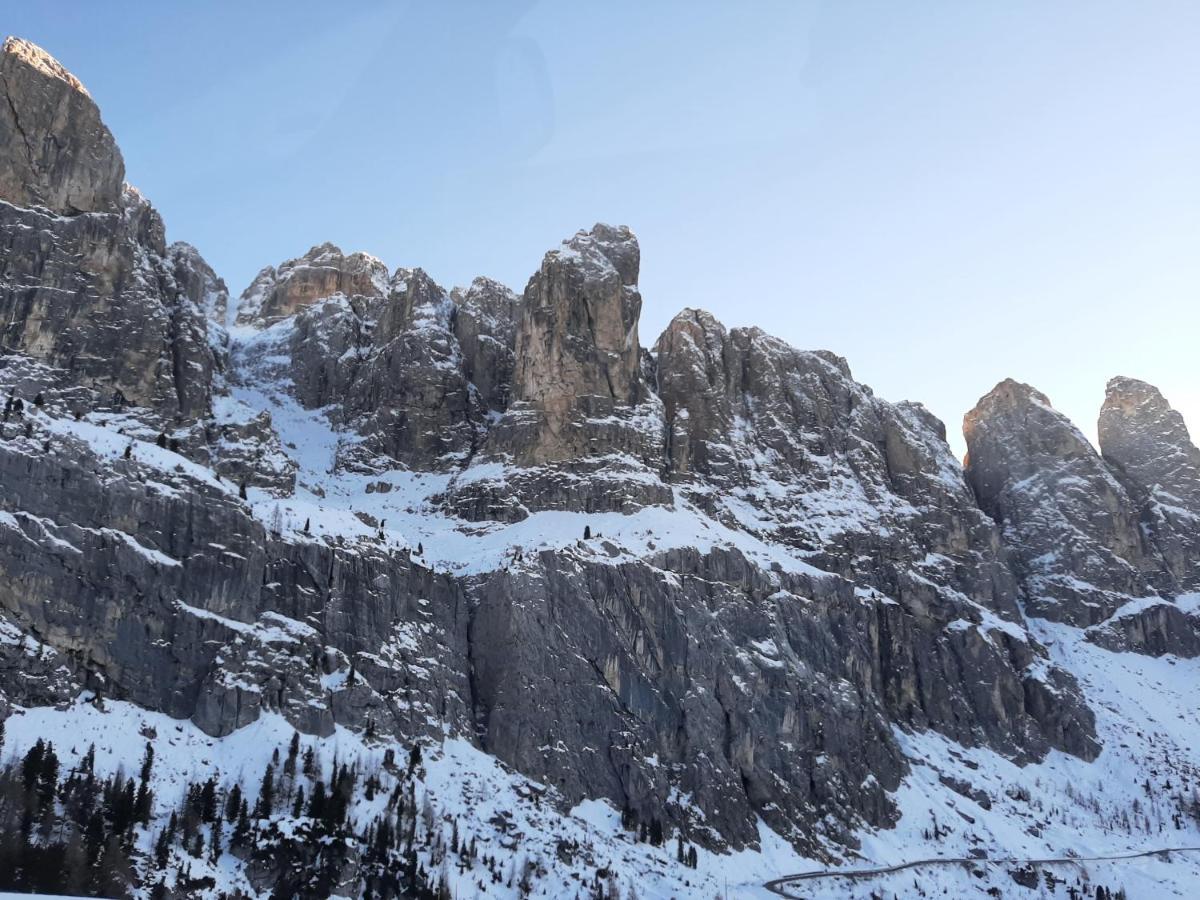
1020,419
1142,434
64,158
30,54
486,328
1148,445
1072,525
607,245
578,335
276,293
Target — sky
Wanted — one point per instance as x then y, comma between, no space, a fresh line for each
947,194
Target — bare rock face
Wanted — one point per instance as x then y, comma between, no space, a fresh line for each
579,332
100,296
384,359
322,272
1148,445
577,346
486,328
1072,526
583,430
88,283
785,443
58,154
200,284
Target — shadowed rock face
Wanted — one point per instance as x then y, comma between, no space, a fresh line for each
867,488
1071,525
58,154
1147,443
486,328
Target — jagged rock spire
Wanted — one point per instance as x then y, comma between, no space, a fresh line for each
1072,526
1148,444
578,336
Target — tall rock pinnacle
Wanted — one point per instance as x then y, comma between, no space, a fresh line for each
1149,445
63,157
578,341
1072,526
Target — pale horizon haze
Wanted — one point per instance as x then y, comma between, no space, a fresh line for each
945,194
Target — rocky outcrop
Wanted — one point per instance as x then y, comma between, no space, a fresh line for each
786,444
100,296
485,325
1072,527
386,363
88,283
202,287
583,430
1105,543
322,272
1153,626
57,153
1148,445
577,346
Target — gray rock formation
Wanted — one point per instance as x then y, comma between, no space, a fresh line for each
583,430
578,354
323,271
57,153
785,443
1071,525
485,325
1148,445
88,283
384,359
851,579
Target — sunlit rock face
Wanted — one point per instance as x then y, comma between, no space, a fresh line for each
58,154
296,284
89,284
584,429
577,345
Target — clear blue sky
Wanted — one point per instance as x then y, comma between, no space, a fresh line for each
945,193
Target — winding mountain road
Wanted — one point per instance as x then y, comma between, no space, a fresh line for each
780,885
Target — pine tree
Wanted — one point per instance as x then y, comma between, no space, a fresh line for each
317,804
233,802
266,794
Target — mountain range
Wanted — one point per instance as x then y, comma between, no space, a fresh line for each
534,607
